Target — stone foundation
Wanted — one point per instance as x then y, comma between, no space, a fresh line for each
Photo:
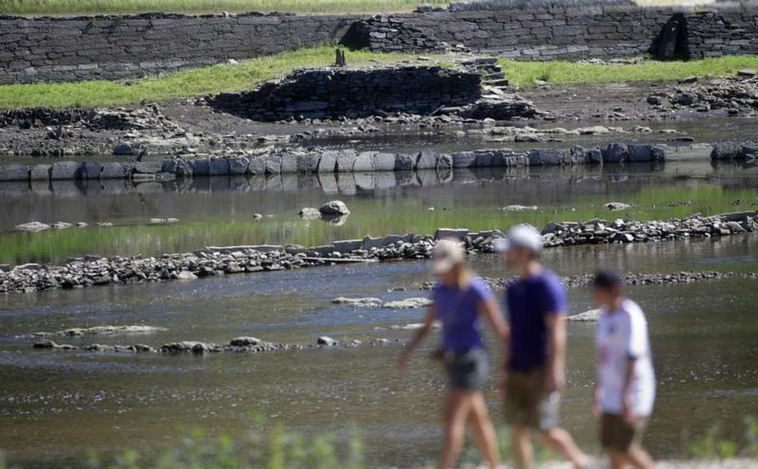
334,93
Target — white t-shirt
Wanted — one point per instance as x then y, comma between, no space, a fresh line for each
621,335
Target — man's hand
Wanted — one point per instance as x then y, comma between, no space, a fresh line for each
554,380
626,407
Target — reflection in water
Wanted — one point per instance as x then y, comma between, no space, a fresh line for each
220,210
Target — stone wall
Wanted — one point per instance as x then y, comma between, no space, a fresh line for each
115,47
334,93
552,32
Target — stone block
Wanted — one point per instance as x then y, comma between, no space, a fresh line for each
238,165
14,172
347,246
40,172
202,167
307,163
464,159
147,167
426,160
218,167
447,233
273,164
115,171
289,164
328,162
384,162
364,162
404,162
64,170
346,161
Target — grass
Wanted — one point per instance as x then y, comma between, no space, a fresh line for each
218,78
181,84
68,7
524,74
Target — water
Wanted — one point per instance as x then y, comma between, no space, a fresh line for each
55,405
219,211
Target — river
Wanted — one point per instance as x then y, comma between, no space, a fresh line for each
55,405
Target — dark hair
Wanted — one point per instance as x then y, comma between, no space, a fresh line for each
607,280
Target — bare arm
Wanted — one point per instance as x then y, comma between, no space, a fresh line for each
489,309
627,390
431,316
556,351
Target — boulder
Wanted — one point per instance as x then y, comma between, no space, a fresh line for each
334,208
33,227
447,233
384,161
640,153
14,172
218,167
90,170
444,162
64,170
40,172
464,159
257,166
273,164
408,303
326,341
346,161
245,342
115,171
307,163
347,246
185,275
592,315
289,164
128,149
328,162
147,167
358,302
616,153
238,165
616,206
404,162
426,160
309,213
364,163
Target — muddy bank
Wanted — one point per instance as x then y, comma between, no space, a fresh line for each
209,262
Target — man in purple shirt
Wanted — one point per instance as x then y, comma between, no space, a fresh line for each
535,362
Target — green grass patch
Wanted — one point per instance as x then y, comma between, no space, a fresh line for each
524,74
179,84
68,7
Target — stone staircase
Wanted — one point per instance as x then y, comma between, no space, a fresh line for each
494,83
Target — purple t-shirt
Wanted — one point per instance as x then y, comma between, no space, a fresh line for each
458,311
529,301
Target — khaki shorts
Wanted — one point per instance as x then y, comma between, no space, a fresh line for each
527,404
619,435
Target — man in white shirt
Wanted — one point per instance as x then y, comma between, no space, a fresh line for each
625,391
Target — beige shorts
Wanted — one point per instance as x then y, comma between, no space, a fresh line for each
527,404
619,435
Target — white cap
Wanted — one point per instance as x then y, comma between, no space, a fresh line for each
447,254
520,236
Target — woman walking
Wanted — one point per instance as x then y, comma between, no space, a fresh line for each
460,299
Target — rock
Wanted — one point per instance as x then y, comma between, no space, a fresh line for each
384,162
592,315
309,213
426,160
147,167
347,246
14,172
364,162
520,208
327,341
328,162
616,153
747,73
346,161
404,163
128,149
245,342
616,206
238,166
62,225
64,170
334,208
408,303
40,172
358,302
33,227
115,171
186,275
446,233
219,167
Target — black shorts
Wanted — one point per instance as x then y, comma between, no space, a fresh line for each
468,371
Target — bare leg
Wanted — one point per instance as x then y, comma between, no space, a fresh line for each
523,452
456,413
618,460
559,440
484,432
640,458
